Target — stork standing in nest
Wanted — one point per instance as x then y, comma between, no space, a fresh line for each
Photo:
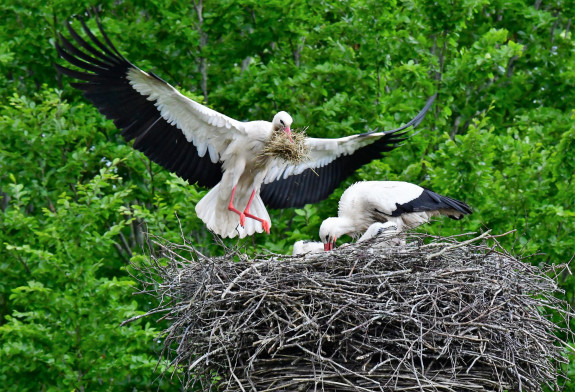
374,207
211,149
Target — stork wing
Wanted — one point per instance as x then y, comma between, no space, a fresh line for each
171,129
331,161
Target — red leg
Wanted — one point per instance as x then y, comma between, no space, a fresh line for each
265,224
232,208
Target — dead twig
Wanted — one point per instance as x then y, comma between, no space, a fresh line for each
467,317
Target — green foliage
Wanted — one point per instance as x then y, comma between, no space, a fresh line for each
75,198
63,330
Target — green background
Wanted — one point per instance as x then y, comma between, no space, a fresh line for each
75,199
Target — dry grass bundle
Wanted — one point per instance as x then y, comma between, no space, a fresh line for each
437,315
280,146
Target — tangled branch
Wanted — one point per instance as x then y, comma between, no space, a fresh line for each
436,315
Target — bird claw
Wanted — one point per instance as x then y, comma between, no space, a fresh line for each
242,219
266,226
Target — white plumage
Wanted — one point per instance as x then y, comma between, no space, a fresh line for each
396,205
377,229
211,149
302,247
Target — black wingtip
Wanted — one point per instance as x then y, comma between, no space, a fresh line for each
108,41
449,202
100,71
418,118
421,115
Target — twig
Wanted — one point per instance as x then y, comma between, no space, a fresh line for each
458,245
475,319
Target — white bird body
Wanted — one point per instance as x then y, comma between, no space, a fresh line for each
302,247
233,143
387,234
397,205
239,173
377,229
211,149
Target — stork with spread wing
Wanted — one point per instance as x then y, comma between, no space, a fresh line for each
211,149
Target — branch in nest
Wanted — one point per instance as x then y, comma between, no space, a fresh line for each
363,318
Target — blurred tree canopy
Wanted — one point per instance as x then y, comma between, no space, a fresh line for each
75,199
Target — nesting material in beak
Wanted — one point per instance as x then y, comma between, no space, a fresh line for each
288,145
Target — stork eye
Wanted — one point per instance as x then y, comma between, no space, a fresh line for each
282,122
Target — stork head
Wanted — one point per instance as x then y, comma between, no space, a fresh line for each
282,122
329,231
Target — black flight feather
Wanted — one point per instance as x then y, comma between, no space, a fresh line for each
431,201
103,75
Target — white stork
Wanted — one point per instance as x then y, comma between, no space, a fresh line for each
397,205
306,246
213,150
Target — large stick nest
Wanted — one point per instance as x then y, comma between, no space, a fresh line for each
435,315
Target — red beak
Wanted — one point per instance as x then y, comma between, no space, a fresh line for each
328,246
288,131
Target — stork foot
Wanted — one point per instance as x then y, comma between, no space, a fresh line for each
266,226
265,223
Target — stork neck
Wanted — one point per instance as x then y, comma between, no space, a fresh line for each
344,226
